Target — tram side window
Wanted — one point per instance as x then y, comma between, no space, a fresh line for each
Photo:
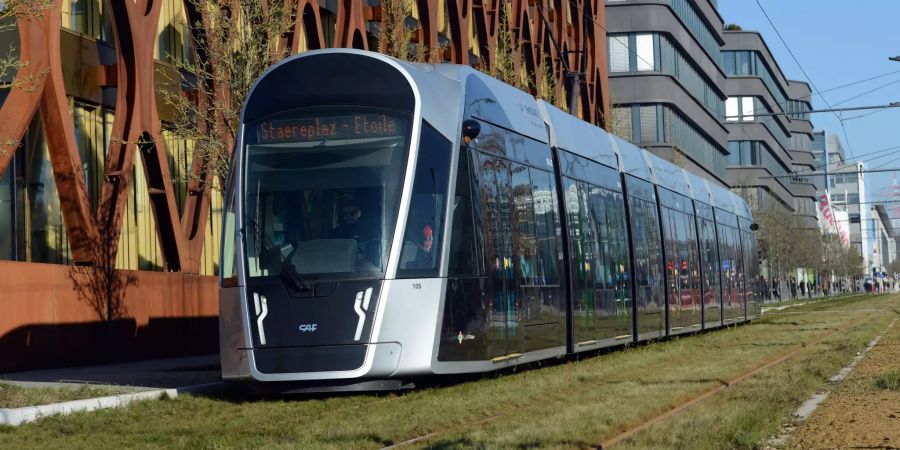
534,226
523,225
229,267
422,235
547,226
710,257
647,252
641,244
464,259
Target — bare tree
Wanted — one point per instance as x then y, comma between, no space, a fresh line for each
10,12
234,43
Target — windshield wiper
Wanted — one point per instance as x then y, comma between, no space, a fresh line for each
289,275
291,278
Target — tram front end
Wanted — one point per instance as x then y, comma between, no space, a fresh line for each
334,226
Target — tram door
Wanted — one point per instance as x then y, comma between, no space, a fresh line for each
497,208
525,301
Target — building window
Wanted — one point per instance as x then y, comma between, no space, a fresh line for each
31,223
750,63
741,108
86,17
800,142
173,43
654,124
685,11
329,22
618,53
755,153
747,108
644,46
658,52
648,121
621,123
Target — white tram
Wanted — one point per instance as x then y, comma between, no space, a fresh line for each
388,220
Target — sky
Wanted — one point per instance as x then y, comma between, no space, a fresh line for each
839,42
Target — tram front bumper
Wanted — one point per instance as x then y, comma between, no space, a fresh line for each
378,360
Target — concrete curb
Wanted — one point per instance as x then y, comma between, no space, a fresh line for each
779,308
18,416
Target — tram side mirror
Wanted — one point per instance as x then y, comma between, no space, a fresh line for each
754,226
470,130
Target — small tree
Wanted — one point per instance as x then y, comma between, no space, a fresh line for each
508,54
235,42
548,87
395,37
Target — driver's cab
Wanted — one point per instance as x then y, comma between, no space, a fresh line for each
322,231
325,206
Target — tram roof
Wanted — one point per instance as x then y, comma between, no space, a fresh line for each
274,91
466,92
668,175
579,137
486,98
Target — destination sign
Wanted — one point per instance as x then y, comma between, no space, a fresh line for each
335,127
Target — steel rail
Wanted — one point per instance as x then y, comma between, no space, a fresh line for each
721,384
633,430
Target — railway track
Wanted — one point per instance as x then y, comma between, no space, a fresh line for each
633,428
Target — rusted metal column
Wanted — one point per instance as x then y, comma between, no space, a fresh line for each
137,128
28,85
350,29
39,83
59,129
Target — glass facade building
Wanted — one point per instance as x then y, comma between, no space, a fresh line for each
667,82
712,101
770,134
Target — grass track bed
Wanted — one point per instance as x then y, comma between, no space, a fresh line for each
575,404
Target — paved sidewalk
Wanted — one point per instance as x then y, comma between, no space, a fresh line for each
858,413
159,373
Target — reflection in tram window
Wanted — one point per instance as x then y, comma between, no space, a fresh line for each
648,276
516,208
321,192
709,257
732,273
599,261
423,232
465,240
682,265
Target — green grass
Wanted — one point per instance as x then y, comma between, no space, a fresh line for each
570,405
15,396
889,381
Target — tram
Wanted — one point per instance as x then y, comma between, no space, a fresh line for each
388,220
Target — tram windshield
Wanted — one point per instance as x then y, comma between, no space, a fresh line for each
322,191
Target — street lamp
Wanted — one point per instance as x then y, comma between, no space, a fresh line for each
894,58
